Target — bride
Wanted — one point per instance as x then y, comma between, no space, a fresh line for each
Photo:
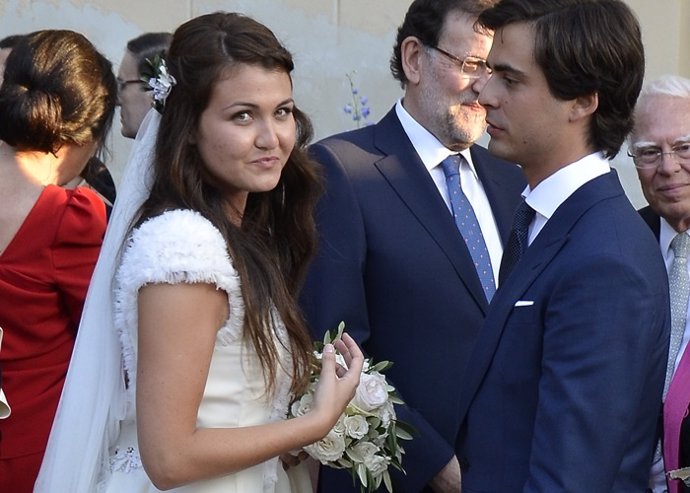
186,361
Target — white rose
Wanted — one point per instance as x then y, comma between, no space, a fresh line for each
339,359
376,464
380,440
328,449
339,426
356,426
362,452
386,413
372,392
302,406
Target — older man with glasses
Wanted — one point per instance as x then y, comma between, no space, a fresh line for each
135,101
660,148
412,226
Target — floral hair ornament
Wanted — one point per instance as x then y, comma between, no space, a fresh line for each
157,79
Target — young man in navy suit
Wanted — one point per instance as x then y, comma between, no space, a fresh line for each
563,389
393,264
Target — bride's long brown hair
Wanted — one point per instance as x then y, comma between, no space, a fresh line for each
277,236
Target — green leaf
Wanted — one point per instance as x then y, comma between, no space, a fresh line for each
345,463
381,366
403,434
362,474
395,399
339,334
375,481
387,481
407,428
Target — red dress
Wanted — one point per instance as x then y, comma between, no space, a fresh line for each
44,275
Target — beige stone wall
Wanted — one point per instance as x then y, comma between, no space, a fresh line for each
329,38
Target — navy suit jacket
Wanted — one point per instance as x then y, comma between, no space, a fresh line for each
393,266
563,388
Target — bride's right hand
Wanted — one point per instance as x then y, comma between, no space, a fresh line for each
337,384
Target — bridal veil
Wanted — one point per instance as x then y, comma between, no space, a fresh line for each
93,399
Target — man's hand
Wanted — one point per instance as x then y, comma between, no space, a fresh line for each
448,478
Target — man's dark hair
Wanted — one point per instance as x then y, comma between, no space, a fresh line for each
147,46
424,20
584,47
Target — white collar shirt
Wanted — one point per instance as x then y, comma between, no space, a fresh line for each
432,152
550,193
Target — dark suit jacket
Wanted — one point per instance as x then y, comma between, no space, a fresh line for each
562,390
654,222
394,268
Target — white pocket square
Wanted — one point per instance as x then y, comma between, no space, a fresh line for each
524,303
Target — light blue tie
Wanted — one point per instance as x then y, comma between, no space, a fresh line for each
466,221
679,288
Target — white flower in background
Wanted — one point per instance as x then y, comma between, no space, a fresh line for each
158,80
339,360
163,84
302,406
362,452
339,427
377,464
386,413
356,426
372,392
329,449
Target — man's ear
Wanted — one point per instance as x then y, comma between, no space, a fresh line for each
410,53
584,106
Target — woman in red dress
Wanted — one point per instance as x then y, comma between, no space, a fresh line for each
57,103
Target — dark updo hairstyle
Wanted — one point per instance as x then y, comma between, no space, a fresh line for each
58,90
277,236
10,41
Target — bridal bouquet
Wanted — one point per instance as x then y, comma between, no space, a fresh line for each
366,438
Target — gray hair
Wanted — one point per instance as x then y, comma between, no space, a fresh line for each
666,85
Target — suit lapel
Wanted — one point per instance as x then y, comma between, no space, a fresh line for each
406,174
538,256
495,183
652,219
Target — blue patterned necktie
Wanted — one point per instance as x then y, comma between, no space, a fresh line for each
466,221
517,241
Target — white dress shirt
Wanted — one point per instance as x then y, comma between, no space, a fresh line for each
549,194
432,152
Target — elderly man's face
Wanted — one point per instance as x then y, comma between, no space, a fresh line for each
663,123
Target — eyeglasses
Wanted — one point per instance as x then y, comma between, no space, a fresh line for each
121,84
649,157
471,67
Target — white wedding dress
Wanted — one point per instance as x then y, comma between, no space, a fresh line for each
182,246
